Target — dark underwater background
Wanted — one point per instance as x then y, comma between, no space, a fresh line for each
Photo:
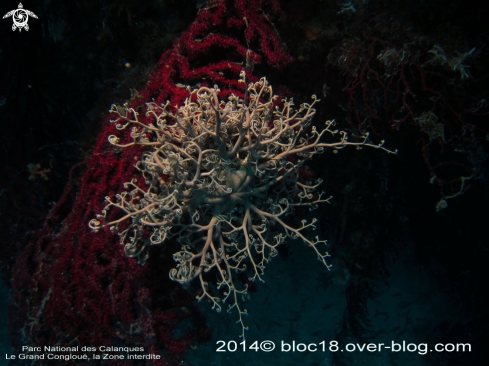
403,271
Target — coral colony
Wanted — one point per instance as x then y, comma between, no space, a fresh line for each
396,77
75,287
219,177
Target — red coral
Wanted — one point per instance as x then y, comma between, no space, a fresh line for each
74,287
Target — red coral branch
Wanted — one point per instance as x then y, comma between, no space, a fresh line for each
73,287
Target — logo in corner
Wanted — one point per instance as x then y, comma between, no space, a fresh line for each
20,17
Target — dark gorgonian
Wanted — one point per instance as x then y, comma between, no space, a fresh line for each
219,177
